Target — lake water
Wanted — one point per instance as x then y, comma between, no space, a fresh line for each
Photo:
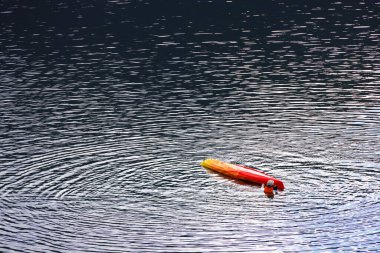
108,107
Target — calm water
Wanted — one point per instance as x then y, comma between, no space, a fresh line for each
107,108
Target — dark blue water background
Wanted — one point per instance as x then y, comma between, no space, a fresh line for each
107,108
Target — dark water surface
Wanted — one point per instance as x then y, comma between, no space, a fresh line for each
107,108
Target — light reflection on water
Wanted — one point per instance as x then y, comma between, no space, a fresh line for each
107,110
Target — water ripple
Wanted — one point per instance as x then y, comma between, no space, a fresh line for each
107,109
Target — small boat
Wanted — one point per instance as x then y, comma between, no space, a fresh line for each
241,172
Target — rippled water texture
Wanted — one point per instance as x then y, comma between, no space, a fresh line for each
107,109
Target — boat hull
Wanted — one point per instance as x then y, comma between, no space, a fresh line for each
241,172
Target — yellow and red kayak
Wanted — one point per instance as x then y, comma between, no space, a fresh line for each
241,172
